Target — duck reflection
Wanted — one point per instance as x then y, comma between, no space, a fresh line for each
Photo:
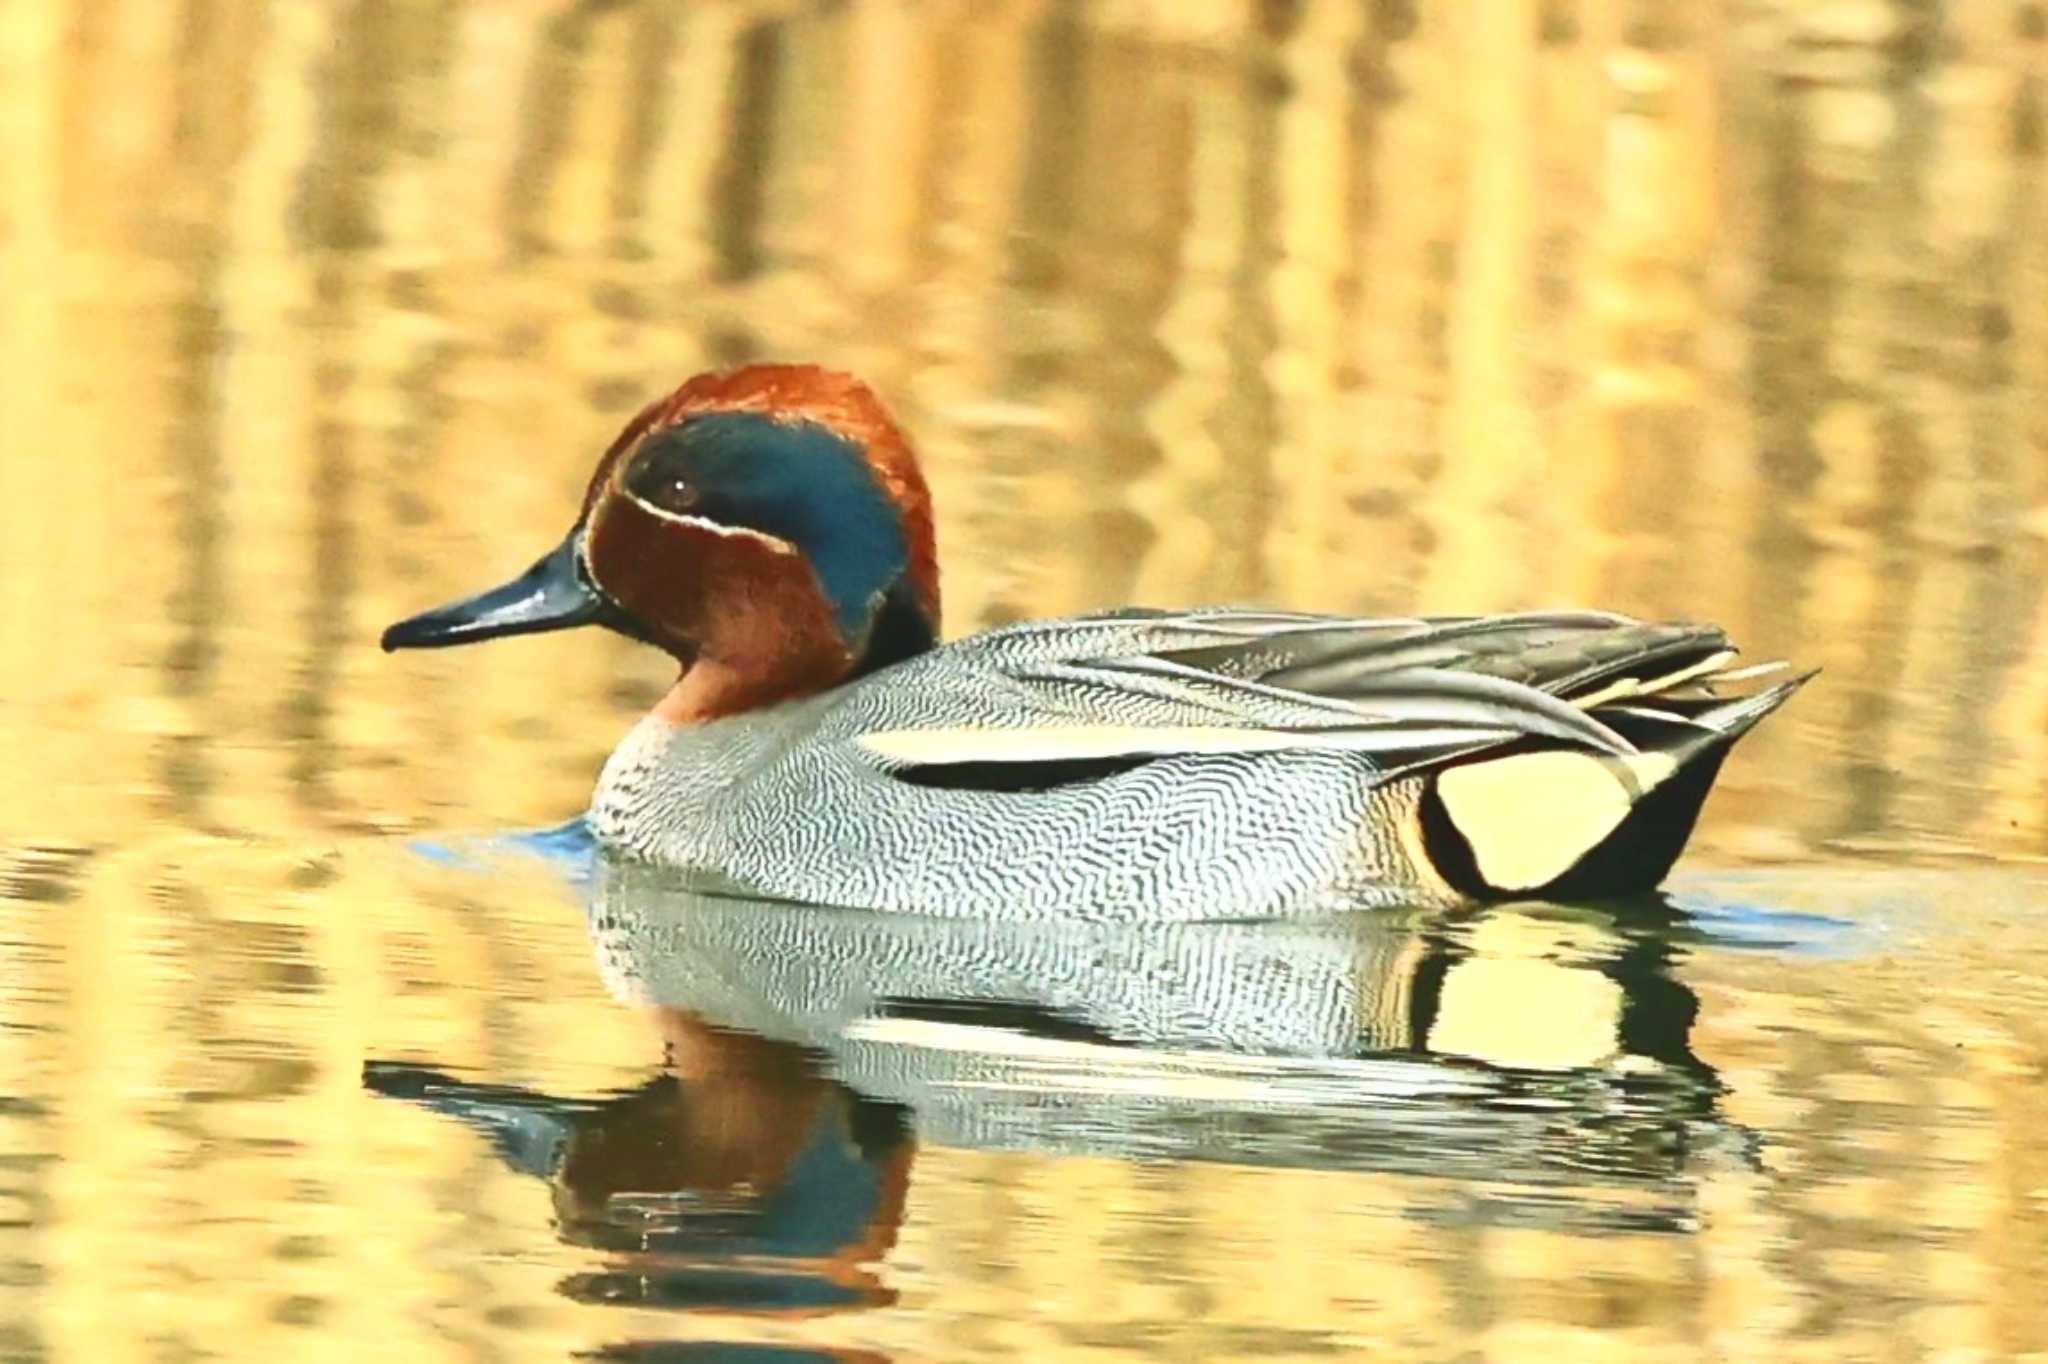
739,1178
1541,1048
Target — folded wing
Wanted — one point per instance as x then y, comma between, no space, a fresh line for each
1556,750
1408,694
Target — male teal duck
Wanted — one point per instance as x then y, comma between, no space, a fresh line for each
769,528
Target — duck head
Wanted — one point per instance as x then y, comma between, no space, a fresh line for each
767,526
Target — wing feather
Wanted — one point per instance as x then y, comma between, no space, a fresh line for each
1409,693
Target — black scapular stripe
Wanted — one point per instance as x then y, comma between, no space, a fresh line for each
1020,777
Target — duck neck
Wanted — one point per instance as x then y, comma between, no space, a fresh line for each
900,629
713,686
752,664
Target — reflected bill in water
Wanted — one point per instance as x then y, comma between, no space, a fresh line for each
808,1053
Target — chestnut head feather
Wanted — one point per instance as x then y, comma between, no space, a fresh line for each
769,521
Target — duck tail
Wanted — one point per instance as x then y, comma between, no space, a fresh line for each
1640,852
1567,824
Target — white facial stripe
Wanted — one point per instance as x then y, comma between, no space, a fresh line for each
774,542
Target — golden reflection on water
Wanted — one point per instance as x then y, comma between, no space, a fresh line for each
317,313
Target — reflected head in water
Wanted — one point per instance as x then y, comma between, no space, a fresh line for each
737,1179
769,528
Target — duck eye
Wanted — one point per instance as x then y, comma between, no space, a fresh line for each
657,477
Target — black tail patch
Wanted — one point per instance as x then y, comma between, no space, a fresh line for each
1640,851
1634,857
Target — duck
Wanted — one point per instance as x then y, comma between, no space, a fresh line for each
769,527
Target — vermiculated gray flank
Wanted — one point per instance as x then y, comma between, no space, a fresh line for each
1217,764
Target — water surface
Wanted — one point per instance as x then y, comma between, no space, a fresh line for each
317,313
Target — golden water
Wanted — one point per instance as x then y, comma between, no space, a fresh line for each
313,314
